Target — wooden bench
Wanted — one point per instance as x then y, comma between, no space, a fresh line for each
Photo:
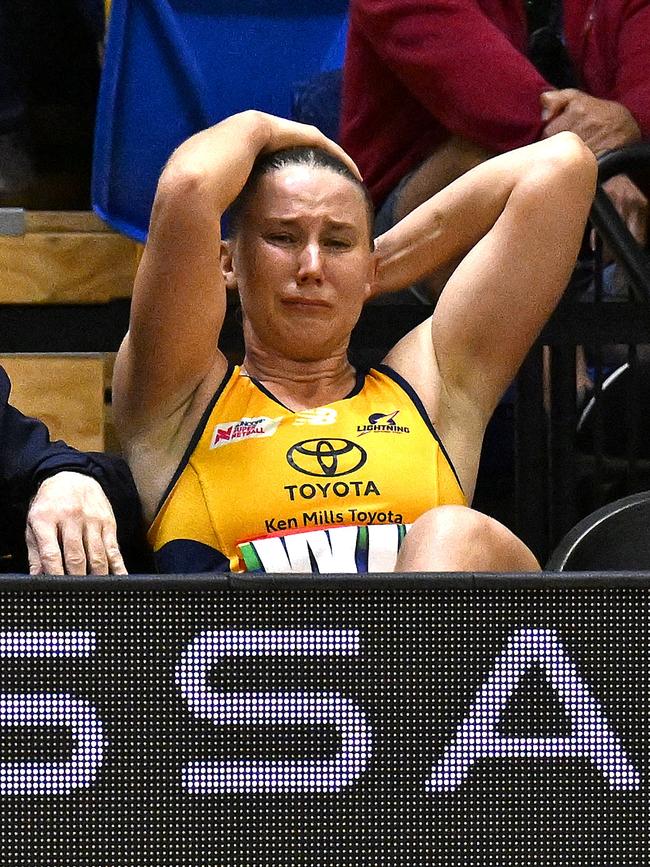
63,258
65,392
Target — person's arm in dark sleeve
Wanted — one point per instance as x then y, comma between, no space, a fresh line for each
114,477
460,66
28,457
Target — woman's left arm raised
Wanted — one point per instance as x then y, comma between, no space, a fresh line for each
518,219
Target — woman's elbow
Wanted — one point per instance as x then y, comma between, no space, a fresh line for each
179,179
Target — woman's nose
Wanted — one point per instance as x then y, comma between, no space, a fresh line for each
310,262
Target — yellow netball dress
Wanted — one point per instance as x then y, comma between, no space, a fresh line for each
331,489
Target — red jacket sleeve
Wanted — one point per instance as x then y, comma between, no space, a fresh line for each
463,63
609,44
633,63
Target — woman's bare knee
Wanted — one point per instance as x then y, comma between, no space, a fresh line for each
460,539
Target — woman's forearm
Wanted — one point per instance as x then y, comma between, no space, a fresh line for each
450,223
216,162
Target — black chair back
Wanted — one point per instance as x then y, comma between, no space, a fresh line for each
614,537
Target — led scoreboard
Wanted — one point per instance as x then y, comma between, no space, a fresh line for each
214,721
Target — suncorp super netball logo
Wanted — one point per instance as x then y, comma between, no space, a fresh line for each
326,457
244,429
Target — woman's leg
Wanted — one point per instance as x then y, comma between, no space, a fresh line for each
459,539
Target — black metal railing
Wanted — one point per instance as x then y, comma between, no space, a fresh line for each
574,455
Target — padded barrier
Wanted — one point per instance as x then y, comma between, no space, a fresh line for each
350,721
173,67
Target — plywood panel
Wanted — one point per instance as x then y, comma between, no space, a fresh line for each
64,391
65,258
65,221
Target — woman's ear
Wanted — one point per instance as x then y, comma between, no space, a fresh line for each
371,284
227,265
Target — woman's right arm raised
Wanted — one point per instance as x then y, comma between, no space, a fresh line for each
179,297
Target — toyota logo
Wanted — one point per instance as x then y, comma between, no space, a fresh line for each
332,457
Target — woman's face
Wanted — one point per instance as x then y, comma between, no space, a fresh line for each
302,261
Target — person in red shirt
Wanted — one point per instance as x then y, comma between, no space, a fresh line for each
433,88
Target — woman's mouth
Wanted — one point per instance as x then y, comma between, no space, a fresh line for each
301,302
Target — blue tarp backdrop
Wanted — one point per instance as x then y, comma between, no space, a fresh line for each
173,67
